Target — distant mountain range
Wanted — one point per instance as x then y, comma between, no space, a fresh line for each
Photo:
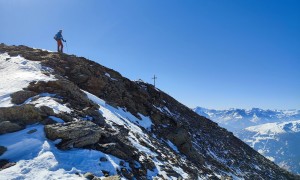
235,119
273,133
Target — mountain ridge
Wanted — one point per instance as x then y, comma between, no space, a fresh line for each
131,119
242,118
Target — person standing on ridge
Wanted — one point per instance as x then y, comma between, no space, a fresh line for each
59,38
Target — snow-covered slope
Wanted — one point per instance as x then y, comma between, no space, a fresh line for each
65,117
275,134
277,141
16,73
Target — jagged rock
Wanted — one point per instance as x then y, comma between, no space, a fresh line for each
16,118
21,96
5,164
113,149
89,176
47,121
72,95
47,111
2,150
105,173
74,134
181,138
64,88
22,115
8,127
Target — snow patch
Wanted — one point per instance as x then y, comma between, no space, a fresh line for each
38,158
51,103
16,73
108,75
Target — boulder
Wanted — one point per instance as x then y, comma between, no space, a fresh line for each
2,150
8,127
5,164
74,134
21,96
89,176
103,159
115,149
117,177
181,138
22,115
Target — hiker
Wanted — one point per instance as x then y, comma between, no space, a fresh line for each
59,38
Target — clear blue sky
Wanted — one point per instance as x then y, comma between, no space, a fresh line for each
210,53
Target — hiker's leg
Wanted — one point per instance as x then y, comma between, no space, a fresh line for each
57,45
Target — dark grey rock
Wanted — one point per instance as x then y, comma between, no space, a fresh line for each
32,131
103,159
89,175
21,96
117,177
74,134
8,127
2,150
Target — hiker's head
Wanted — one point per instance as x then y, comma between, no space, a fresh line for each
60,31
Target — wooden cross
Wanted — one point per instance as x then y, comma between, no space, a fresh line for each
154,78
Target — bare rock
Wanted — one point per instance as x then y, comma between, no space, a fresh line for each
22,115
47,111
181,138
2,150
8,127
32,131
74,134
89,176
117,177
5,164
103,159
21,96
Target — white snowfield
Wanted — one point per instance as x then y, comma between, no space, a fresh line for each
276,128
276,141
16,73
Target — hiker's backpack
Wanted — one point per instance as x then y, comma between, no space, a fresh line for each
55,37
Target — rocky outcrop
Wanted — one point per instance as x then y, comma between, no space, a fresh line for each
21,96
2,150
26,114
89,176
5,164
8,127
17,117
68,93
74,134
